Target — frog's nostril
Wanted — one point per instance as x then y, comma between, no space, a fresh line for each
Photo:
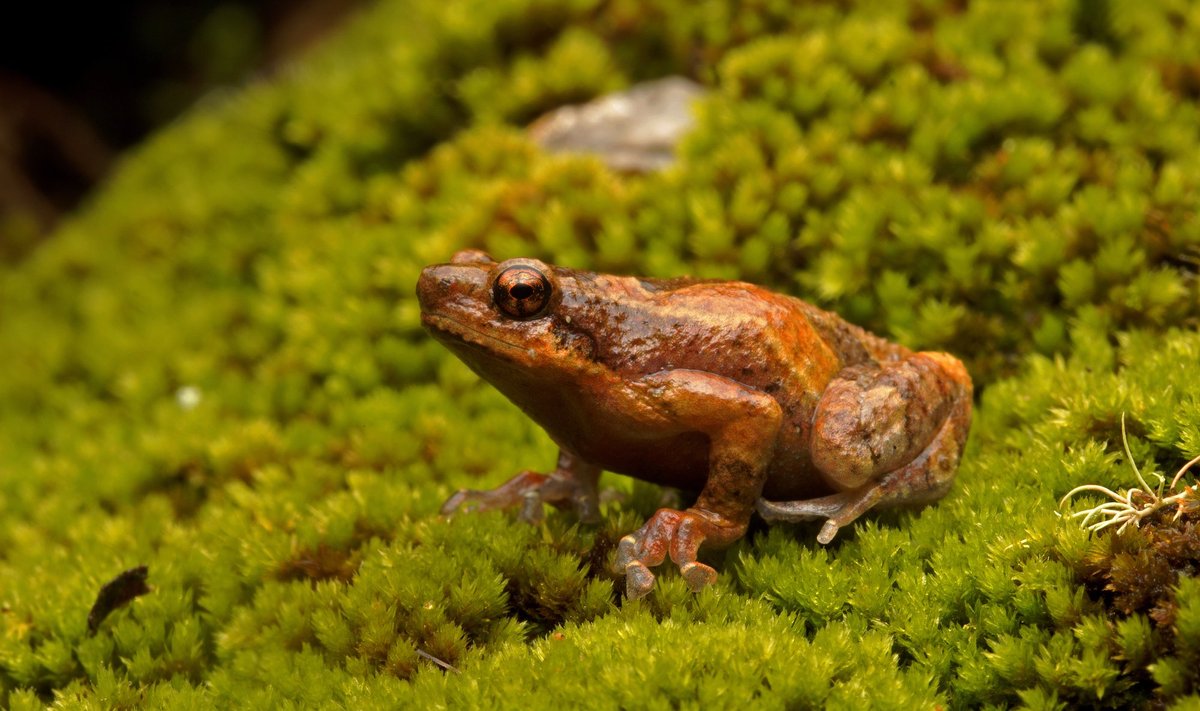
441,284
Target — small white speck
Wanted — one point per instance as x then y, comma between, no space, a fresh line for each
188,397
568,319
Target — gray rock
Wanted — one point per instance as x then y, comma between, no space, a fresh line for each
635,130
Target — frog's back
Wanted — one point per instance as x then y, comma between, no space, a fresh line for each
773,343
734,329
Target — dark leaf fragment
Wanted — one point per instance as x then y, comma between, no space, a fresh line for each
117,593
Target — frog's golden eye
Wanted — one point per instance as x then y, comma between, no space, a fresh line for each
521,292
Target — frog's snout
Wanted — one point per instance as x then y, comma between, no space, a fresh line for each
451,288
434,284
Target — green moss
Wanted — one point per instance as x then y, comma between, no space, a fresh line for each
217,370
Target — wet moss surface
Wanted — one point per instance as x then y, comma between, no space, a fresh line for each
216,369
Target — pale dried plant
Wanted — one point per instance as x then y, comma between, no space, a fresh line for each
1137,503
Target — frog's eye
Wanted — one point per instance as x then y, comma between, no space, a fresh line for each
521,292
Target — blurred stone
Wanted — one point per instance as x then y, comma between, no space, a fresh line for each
635,130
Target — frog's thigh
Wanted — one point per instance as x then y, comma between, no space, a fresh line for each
897,462
872,420
741,423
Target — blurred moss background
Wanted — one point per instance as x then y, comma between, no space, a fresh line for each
215,368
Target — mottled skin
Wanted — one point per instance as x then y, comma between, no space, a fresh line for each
757,399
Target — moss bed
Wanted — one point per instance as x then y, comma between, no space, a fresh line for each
216,369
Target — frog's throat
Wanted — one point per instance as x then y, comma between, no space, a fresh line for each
469,334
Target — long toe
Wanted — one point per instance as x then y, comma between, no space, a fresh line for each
809,510
456,500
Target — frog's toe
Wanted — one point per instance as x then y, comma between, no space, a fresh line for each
471,500
451,504
528,491
532,510
698,575
626,553
792,511
639,581
828,531
518,490
675,533
838,510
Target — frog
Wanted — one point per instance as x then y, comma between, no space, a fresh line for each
762,402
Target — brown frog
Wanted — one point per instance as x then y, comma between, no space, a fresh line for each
760,400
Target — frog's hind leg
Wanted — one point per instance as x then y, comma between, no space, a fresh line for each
573,483
884,435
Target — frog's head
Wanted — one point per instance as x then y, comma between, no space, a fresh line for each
503,319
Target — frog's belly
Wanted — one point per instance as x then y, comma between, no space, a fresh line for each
681,461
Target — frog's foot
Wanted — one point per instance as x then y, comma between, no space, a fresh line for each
680,535
530,490
838,510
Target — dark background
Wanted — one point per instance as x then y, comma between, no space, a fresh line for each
80,82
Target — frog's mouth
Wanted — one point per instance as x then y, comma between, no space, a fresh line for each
459,332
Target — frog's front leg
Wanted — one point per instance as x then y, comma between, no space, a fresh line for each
573,483
883,435
741,425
